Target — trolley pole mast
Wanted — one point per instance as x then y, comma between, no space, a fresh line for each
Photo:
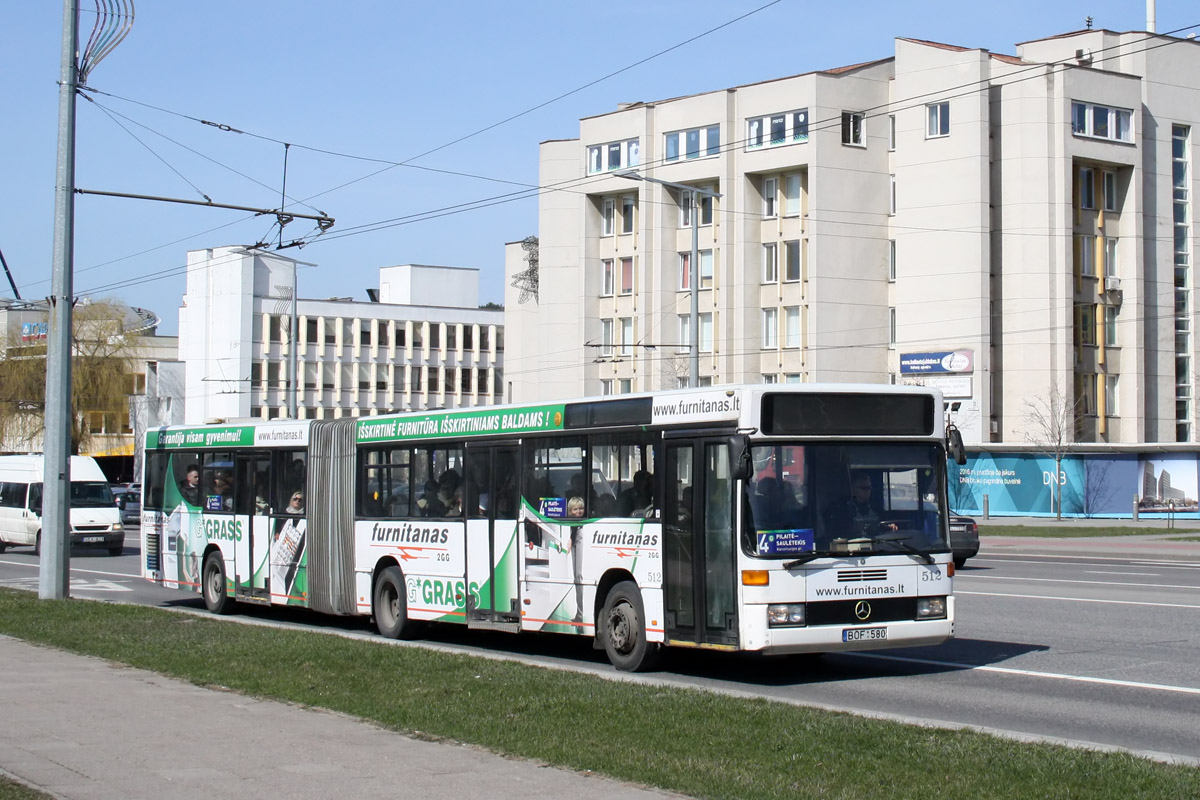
55,545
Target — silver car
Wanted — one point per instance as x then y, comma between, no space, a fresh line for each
130,503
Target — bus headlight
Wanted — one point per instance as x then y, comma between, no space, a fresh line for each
931,608
785,615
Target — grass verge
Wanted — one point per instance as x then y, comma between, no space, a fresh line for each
11,790
696,743
1052,531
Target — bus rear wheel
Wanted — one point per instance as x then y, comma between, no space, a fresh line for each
624,630
390,604
212,584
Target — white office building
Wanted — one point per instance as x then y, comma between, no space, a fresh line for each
1001,226
420,341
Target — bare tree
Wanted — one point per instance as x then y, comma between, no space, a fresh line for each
101,355
1052,422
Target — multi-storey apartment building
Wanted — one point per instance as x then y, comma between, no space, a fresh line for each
421,341
1008,228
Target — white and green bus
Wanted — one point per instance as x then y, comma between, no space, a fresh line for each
770,518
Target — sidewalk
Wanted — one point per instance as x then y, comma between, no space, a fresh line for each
1167,542
81,728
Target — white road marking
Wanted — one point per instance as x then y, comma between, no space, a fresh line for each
1104,572
1079,599
1019,558
74,570
1159,687
1069,580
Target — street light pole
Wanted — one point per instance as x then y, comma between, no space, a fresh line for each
693,266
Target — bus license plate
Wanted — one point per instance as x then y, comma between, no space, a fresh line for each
861,634
90,539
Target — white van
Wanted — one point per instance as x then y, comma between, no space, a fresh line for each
95,518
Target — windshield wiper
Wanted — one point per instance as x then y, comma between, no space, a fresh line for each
804,559
899,539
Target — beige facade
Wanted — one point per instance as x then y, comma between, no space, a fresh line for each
1004,227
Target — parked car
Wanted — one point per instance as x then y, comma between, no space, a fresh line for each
130,503
964,539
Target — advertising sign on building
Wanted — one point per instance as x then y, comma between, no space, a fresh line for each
944,361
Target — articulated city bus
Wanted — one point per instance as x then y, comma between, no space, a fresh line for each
770,518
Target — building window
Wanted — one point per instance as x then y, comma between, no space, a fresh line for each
791,195
891,259
606,267
685,210
606,337
1110,395
695,142
770,328
1085,393
606,386
706,269
613,155
610,211
891,327
626,276
773,130
853,124
791,326
626,385
792,377
938,115
770,379
1085,318
1102,122
791,261
768,195
627,206
685,334
1087,188
627,336
685,271
706,333
891,132
1085,245
1110,191
1110,256
770,264
1110,326
892,206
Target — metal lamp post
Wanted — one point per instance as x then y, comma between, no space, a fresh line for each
693,267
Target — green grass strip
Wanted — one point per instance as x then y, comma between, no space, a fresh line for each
11,790
697,743
1052,531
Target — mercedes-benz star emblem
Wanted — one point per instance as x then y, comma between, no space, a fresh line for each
862,610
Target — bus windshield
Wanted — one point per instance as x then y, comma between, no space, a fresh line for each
91,494
840,499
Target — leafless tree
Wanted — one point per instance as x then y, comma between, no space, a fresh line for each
1051,421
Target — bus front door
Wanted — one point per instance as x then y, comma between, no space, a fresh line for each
699,589
251,533
493,499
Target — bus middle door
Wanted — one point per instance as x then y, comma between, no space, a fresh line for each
493,500
698,549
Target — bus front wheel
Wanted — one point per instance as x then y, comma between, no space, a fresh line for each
624,630
212,582
390,605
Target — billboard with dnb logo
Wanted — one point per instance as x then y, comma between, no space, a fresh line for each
953,361
1093,484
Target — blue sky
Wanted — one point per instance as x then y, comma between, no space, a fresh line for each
374,79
